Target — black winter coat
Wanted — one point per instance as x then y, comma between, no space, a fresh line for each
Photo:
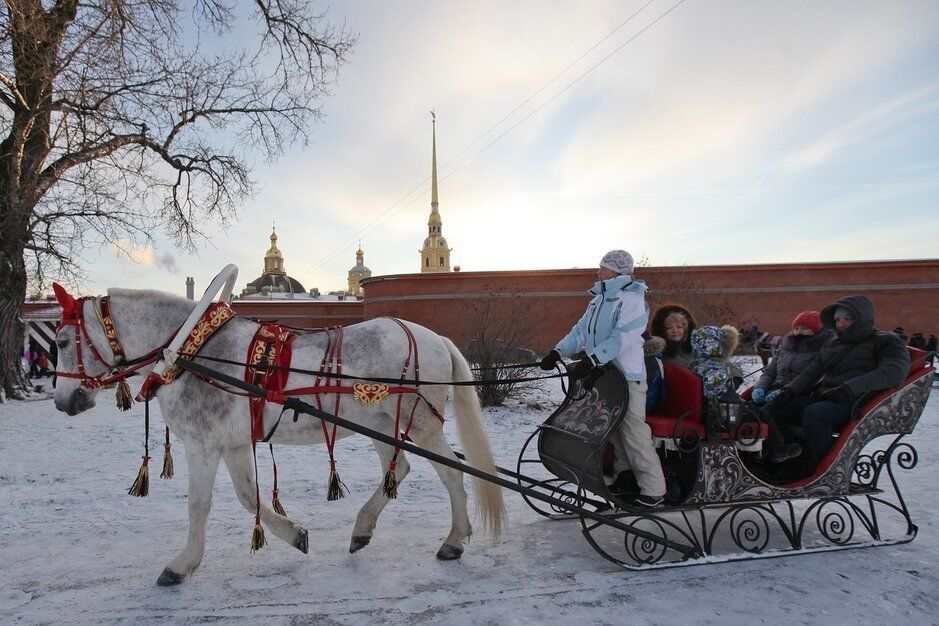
862,358
794,355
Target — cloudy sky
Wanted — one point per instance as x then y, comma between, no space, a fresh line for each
726,132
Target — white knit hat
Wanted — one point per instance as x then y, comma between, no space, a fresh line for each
618,261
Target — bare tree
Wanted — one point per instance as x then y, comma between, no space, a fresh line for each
498,332
120,118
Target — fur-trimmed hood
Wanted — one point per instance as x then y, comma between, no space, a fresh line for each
731,341
653,346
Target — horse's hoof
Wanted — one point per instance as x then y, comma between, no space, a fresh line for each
449,553
169,578
358,542
302,542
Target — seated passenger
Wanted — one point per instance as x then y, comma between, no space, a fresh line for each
655,373
709,345
798,349
611,332
674,323
857,360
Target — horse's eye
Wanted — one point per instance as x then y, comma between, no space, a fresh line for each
62,343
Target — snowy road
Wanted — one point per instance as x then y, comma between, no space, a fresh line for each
75,548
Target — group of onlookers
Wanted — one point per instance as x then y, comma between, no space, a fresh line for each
918,341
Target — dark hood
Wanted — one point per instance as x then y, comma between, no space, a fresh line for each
863,311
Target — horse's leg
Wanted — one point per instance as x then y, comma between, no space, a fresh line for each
203,465
240,464
367,518
432,439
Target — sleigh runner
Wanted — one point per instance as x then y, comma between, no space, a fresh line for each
711,485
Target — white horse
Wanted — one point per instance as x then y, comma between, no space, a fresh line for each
214,424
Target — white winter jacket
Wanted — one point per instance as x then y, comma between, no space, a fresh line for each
611,328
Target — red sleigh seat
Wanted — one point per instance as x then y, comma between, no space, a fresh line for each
684,401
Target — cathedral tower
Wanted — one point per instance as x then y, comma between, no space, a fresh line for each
358,273
435,255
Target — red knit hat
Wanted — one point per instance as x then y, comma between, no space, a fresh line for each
810,319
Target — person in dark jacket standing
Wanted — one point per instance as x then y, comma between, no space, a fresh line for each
931,345
857,360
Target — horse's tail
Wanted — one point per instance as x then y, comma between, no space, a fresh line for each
476,446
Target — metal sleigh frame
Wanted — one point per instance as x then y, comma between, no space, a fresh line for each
853,498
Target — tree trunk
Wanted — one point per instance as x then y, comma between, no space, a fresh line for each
12,295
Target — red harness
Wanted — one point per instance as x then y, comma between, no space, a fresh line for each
212,320
269,357
76,319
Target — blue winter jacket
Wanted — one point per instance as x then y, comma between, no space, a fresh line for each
611,329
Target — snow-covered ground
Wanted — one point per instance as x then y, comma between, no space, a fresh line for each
74,547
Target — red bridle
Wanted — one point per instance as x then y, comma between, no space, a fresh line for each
74,316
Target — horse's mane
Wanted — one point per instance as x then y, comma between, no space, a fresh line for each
148,294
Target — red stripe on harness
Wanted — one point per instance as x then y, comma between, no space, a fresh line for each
270,348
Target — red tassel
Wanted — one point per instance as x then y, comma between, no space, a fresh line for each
257,537
334,486
276,505
391,482
141,486
167,457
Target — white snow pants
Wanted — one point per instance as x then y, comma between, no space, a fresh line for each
633,444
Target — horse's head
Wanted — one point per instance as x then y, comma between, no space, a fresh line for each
75,363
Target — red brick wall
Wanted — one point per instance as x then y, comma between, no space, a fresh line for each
905,293
301,313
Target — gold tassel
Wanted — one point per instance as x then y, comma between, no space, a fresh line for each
141,486
257,537
276,505
391,483
125,399
334,486
167,462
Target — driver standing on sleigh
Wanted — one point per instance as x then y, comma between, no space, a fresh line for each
611,332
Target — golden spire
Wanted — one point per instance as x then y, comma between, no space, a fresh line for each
274,260
433,184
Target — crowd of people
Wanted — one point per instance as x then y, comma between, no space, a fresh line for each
821,368
918,341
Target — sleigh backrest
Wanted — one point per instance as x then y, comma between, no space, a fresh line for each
684,392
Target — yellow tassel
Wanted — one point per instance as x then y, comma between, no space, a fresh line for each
125,399
141,486
276,505
334,487
167,463
257,537
391,484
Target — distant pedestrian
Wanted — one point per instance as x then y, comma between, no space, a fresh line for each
901,333
918,341
931,346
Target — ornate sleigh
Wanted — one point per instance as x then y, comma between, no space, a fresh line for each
719,507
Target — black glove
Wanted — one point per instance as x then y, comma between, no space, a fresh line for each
783,395
591,378
841,393
550,360
581,368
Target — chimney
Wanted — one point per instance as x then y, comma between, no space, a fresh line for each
190,288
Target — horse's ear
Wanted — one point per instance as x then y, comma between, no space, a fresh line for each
66,301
